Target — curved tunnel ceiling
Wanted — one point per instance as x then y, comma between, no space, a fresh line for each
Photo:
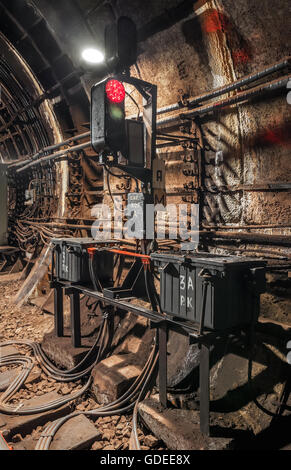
58,80
25,125
39,85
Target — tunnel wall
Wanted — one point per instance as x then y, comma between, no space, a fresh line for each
190,48
222,42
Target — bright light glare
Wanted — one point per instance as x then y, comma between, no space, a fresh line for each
93,56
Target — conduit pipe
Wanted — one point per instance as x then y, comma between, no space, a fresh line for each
51,148
56,155
227,88
242,96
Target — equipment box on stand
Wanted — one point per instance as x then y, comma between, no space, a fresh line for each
71,260
232,284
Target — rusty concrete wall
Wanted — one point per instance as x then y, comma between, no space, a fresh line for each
219,42
193,47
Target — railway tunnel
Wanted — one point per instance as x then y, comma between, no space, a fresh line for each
145,224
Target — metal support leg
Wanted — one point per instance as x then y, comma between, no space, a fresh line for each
75,319
163,336
204,389
59,311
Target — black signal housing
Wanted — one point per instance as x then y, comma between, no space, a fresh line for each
108,131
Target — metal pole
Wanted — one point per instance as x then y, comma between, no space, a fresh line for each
59,311
52,147
163,364
204,390
252,237
75,318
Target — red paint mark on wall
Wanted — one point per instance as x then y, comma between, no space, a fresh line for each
276,137
279,136
214,21
241,56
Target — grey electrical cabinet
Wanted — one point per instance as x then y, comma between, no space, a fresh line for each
3,205
234,285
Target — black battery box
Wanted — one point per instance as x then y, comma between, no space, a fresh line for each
233,284
71,260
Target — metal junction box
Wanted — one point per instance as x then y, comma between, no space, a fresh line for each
72,260
232,283
3,205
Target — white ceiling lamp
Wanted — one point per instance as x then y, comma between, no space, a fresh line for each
93,56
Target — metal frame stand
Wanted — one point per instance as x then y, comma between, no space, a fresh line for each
204,375
75,313
160,321
59,311
204,379
163,363
75,317
132,286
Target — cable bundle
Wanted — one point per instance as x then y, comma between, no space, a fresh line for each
124,404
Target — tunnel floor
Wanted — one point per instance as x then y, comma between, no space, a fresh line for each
29,322
112,433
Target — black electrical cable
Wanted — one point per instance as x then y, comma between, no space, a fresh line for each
146,390
149,292
252,343
115,175
94,278
154,290
51,370
134,101
110,193
120,406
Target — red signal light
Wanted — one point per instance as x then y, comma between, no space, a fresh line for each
115,91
